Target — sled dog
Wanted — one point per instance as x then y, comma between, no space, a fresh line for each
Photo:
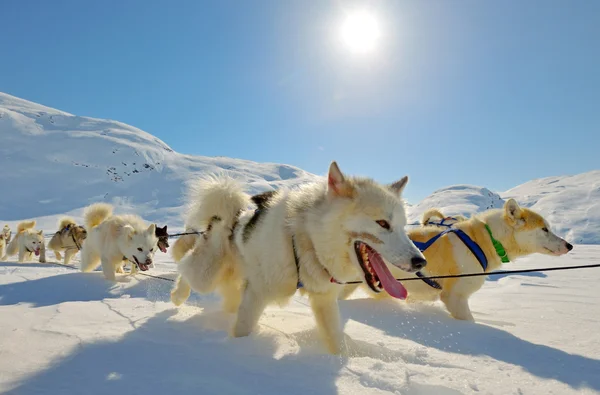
335,230
434,216
519,230
112,237
26,243
68,239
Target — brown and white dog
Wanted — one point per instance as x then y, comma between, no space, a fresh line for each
521,232
68,239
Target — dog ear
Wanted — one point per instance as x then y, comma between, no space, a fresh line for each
512,211
151,229
41,232
129,231
337,185
399,185
165,229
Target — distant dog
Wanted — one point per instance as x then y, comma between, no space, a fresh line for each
112,237
335,230
7,234
163,238
441,219
69,238
2,246
518,230
26,243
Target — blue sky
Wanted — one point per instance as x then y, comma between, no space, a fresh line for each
478,92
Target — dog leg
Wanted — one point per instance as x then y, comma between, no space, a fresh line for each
457,305
181,291
21,255
58,255
232,295
249,312
89,260
68,255
43,253
108,268
327,315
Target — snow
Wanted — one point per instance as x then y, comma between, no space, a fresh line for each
63,331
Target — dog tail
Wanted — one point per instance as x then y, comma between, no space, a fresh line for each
431,213
95,214
63,222
25,225
217,198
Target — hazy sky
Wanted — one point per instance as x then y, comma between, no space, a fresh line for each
477,92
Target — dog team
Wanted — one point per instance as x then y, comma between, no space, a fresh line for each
259,250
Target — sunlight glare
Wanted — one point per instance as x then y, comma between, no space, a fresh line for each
361,32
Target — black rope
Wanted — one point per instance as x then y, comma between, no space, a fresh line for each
496,273
184,234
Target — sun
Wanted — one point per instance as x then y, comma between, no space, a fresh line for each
360,32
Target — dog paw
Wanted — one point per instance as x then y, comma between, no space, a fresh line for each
177,299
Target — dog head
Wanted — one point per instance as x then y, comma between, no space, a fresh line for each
6,231
368,220
163,238
2,241
139,246
79,234
33,241
532,232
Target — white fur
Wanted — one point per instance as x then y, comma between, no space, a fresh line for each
26,242
325,219
112,237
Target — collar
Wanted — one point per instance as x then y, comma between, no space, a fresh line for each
498,246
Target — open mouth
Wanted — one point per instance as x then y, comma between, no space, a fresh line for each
162,248
142,266
37,252
377,275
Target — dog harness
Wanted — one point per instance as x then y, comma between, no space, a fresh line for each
441,223
471,245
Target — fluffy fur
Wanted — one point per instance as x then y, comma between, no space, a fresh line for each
248,256
26,243
428,218
2,245
112,237
68,239
520,230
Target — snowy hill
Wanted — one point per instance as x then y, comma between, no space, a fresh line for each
55,162
457,199
571,204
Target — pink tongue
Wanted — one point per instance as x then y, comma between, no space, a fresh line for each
37,252
163,249
389,283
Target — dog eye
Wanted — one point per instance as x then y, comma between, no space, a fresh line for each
151,249
140,250
384,224
545,229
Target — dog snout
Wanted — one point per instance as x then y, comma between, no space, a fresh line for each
418,262
148,261
569,246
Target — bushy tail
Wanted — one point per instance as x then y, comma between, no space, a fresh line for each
215,199
431,213
63,222
95,214
25,225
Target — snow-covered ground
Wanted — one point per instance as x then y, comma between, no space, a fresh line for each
62,331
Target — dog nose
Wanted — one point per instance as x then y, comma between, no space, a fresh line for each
418,263
569,246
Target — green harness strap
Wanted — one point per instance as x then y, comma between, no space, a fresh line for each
498,246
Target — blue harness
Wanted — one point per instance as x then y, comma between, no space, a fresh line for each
471,245
441,223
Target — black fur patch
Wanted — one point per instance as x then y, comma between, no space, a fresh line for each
261,200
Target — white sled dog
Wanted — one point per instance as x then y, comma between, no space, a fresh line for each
26,243
335,230
7,234
68,239
518,232
112,237
440,219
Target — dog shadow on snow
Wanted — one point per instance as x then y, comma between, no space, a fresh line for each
431,326
179,357
74,286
